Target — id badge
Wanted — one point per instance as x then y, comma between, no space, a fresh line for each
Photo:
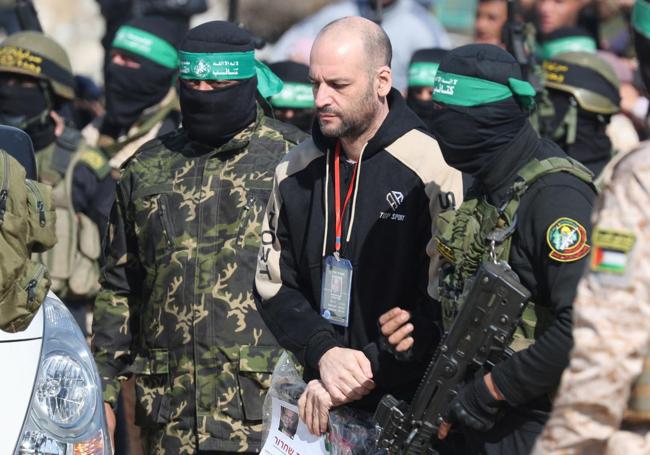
335,294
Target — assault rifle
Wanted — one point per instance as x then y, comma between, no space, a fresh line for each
233,16
519,39
27,16
233,11
379,11
478,338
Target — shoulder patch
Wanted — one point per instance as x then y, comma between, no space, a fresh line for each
567,240
612,248
96,161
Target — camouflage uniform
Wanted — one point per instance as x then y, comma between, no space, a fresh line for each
612,328
176,306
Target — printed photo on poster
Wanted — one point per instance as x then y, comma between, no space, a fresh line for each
288,421
288,435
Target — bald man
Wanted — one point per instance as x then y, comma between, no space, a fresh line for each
343,268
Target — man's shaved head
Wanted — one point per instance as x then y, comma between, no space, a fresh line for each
349,68
377,47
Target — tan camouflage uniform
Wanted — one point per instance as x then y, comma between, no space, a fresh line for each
176,306
146,128
612,327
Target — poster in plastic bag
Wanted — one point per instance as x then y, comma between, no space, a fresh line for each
288,435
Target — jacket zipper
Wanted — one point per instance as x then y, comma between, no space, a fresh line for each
40,205
4,193
247,208
33,282
163,213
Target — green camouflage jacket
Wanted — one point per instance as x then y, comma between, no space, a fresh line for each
176,306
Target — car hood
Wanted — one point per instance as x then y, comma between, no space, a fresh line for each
20,354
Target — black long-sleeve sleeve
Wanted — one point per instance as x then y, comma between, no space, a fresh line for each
553,280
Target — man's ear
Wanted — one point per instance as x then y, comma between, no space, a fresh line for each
385,81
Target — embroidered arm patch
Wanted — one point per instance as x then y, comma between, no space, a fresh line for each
567,240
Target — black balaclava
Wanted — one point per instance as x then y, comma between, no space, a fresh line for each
214,117
471,137
28,108
578,129
591,143
129,91
86,91
290,71
424,109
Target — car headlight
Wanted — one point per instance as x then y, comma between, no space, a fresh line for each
65,416
65,394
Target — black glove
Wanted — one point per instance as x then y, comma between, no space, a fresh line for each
475,407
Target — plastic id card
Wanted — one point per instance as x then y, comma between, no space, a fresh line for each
336,290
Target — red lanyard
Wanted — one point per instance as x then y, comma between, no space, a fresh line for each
337,194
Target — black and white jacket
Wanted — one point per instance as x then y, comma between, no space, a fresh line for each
404,183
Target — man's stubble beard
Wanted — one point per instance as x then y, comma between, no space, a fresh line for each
355,125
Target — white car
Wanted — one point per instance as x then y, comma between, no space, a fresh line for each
50,391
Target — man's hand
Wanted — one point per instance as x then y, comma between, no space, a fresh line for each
314,406
395,326
110,422
476,406
346,374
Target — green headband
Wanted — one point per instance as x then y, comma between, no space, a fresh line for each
568,44
229,66
467,91
423,74
294,95
146,45
641,17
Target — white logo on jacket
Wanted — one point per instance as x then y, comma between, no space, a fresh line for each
394,199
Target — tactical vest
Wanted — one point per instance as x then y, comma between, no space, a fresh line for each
73,262
479,231
26,225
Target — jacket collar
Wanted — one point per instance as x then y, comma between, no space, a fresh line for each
399,121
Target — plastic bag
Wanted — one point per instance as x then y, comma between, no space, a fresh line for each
351,431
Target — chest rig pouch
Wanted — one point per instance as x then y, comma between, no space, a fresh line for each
479,232
73,262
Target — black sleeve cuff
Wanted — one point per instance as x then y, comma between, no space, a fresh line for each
506,387
319,344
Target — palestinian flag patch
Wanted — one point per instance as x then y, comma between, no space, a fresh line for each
612,249
568,240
